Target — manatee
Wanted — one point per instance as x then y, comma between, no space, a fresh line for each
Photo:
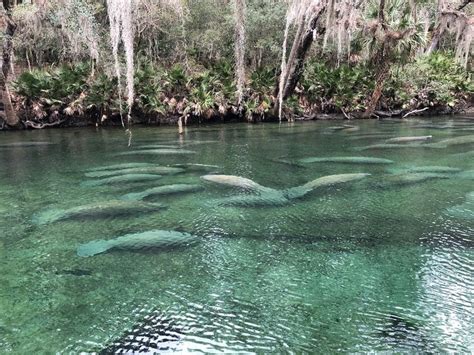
236,181
425,169
158,146
336,128
199,142
413,178
467,155
432,126
470,196
122,179
351,129
391,146
466,175
75,272
460,124
371,136
268,198
158,152
197,167
162,190
160,170
24,144
97,210
464,210
138,241
452,141
121,166
265,196
409,139
286,162
300,191
345,127
346,160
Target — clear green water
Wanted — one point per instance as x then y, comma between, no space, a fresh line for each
364,266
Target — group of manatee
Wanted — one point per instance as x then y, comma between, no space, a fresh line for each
131,203
251,193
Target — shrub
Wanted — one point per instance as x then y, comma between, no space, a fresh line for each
434,80
344,87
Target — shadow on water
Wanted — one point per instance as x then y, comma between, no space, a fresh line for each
154,333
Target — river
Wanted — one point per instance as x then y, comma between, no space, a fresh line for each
380,263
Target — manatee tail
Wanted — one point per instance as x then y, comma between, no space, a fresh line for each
296,192
93,248
48,216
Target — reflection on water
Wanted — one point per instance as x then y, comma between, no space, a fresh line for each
381,263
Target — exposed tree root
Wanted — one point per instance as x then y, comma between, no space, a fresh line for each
38,125
414,112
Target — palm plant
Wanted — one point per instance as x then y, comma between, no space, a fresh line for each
148,88
202,98
392,35
102,94
262,80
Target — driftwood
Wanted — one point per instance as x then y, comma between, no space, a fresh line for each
348,116
414,112
398,113
39,125
395,113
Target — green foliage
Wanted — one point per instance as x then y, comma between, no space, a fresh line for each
343,87
429,81
263,80
102,94
257,105
148,86
53,86
432,80
176,77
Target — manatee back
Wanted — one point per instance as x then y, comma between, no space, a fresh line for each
153,239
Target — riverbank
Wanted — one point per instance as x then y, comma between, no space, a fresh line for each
94,120
79,95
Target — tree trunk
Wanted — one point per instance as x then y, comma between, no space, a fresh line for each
381,62
383,70
436,36
295,65
9,113
464,4
239,48
434,41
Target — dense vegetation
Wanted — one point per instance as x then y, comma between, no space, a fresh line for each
378,55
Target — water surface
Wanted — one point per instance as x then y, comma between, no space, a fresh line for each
365,266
